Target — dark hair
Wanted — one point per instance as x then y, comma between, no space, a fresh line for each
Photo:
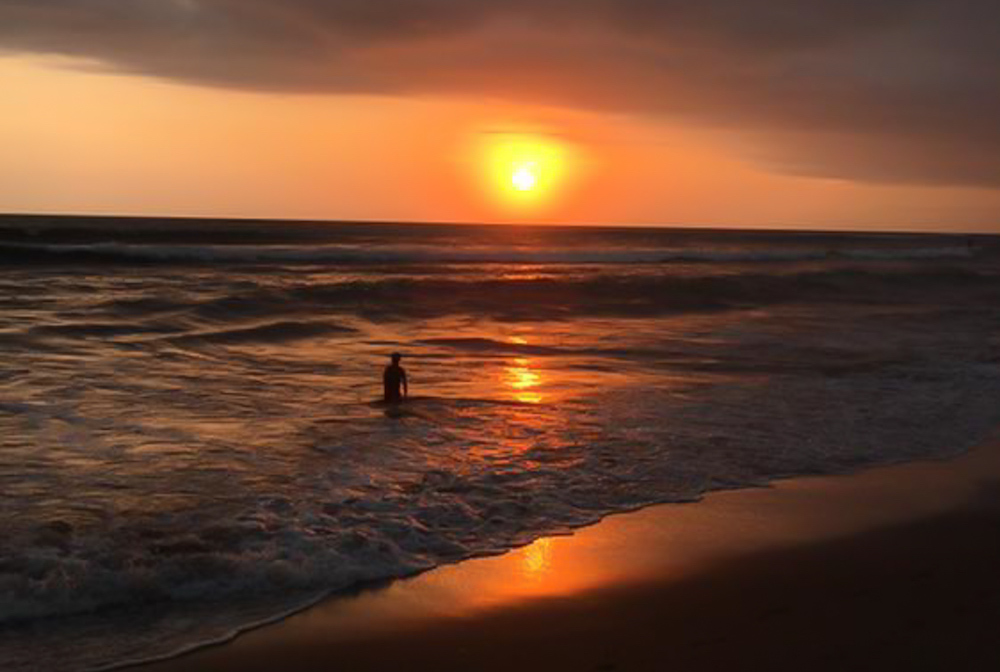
396,356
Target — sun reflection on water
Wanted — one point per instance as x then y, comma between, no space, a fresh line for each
522,379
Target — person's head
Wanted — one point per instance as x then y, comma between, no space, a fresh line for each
396,357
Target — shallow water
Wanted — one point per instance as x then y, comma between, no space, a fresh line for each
189,443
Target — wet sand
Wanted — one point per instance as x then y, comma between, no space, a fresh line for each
894,568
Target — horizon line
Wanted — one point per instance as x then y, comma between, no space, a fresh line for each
230,219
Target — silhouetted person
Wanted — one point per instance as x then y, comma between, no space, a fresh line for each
394,377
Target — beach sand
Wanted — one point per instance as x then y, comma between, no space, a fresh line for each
893,568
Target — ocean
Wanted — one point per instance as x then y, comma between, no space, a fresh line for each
192,444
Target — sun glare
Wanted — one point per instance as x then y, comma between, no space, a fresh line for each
526,172
524,177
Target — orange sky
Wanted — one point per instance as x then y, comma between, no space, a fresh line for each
78,139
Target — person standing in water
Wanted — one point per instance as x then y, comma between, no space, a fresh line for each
393,377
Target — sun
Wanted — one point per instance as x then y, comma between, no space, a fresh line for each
525,173
525,177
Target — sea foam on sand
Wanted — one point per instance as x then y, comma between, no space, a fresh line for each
891,568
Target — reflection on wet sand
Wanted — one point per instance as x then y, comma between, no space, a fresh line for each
537,558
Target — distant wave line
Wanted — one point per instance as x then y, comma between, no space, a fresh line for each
341,254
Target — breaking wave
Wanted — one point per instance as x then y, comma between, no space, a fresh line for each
568,296
276,332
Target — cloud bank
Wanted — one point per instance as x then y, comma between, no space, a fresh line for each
904,91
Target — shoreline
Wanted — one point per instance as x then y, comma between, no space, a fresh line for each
695,585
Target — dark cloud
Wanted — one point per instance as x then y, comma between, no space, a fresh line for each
887,90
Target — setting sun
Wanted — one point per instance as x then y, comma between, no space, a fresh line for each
524,177
526,172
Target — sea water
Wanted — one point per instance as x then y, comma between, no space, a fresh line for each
191,444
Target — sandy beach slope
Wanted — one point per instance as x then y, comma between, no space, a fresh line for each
895,568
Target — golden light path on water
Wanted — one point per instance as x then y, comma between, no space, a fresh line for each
522,379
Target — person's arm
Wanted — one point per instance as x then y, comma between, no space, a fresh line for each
406,386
